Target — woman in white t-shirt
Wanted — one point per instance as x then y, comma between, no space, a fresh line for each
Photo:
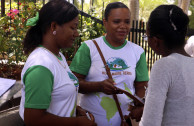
127,64
50,89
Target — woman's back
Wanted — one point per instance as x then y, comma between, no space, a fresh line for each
174,92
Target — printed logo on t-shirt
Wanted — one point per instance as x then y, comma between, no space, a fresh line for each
73,78
117,66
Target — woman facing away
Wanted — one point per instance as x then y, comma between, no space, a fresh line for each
170,97
126,61
50,89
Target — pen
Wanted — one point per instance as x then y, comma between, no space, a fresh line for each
87,114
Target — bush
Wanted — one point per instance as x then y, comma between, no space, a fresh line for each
13,30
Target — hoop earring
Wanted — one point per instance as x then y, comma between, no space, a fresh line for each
54,32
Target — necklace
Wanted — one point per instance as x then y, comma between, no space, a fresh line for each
63,65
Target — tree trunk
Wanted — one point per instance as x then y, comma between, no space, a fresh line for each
184,4
91,4
134,7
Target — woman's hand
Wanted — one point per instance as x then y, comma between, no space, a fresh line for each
84,121
40,117
108,87
136,112
82,112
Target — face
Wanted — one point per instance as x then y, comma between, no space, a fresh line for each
67,33
150,40
157,45
118,24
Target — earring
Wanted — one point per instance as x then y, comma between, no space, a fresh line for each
54,32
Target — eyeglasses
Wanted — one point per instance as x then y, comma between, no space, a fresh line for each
145,37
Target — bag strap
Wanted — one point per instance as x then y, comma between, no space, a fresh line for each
110,77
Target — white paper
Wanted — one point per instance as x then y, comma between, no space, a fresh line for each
5,85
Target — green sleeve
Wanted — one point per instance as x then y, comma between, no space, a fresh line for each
141,69
38,82
81,62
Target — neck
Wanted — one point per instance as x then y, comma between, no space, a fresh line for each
179,50
114,43
53,50
50,44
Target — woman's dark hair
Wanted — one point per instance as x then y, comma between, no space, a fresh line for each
59,11
111,6
169,23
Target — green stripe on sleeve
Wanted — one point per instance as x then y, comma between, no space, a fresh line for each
141,69
38,82
81,62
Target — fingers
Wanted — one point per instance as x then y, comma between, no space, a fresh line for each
130,107
92,117
137,120
136,113
108,87
109,90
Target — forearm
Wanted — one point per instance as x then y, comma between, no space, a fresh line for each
106,86
89,87
86,86
35,117
140,88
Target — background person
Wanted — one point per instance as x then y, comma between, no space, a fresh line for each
126,61
50,89
189,47
170,97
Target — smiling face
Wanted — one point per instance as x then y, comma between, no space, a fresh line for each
117,25
67,33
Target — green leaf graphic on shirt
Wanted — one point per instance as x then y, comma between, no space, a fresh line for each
72,112
109,106
127,89
98,95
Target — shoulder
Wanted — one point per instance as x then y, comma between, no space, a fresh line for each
90,46
90,43
135,46
167,64
135,49
40,57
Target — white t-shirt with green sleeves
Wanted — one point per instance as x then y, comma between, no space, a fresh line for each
127,64
49,84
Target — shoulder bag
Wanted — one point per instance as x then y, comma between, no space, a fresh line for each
123,121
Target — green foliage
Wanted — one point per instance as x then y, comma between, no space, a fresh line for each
12,30
191,17
145,7
88,29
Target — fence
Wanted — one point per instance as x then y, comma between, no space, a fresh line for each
135,35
